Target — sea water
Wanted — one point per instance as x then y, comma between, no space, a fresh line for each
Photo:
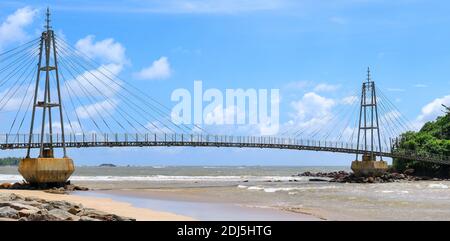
264,187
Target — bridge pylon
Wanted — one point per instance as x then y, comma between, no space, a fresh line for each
368,134
46,169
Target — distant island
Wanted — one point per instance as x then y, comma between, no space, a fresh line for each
9,161
107,165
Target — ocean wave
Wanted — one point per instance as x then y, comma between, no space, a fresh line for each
438,185
393,191
163,178
289,189
255,188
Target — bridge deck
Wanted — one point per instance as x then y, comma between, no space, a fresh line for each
167,140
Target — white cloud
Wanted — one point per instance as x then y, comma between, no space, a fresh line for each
395,89
12,29
297,85
326,87
71,127
183,6
160,69
107,50
312,110
392,115
96,109
220,115
12,101
223,6
159,128
84,83
349,100
420,85
432,110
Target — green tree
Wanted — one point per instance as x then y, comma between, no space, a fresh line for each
9,161
433,137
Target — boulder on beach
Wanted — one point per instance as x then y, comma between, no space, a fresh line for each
17,208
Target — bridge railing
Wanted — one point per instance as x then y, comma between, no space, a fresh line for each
23,139
422,156
173,139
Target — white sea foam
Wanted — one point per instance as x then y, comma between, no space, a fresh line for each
387,191
438,185
242,186
10,178
392,191
255,188
160,178
288,189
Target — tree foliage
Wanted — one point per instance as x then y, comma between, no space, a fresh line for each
433,137
9,161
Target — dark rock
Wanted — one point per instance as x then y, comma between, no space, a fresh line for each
86,218
17,206
27,212
345,177
55,190
14,207
5,185
8,212
14,197
78,188
317,180
73,210
409,171
69,187
63,215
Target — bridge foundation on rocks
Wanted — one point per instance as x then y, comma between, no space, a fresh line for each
369,167
369,132
46,169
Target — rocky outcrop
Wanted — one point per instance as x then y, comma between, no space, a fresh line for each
348,177
57,189
15,207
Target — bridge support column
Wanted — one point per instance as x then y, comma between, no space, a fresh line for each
46,170
369,166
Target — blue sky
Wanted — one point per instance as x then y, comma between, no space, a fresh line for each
296,46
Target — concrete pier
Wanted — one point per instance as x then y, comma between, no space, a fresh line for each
369,167
47,169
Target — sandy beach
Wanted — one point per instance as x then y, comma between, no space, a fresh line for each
106,205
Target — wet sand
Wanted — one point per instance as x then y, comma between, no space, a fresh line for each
188,202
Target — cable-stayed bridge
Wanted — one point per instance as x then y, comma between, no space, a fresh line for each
55,96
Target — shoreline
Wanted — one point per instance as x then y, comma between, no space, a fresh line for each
187,201
104,204
165,205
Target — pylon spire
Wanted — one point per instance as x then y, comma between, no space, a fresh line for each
47,20
368,74
47,63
